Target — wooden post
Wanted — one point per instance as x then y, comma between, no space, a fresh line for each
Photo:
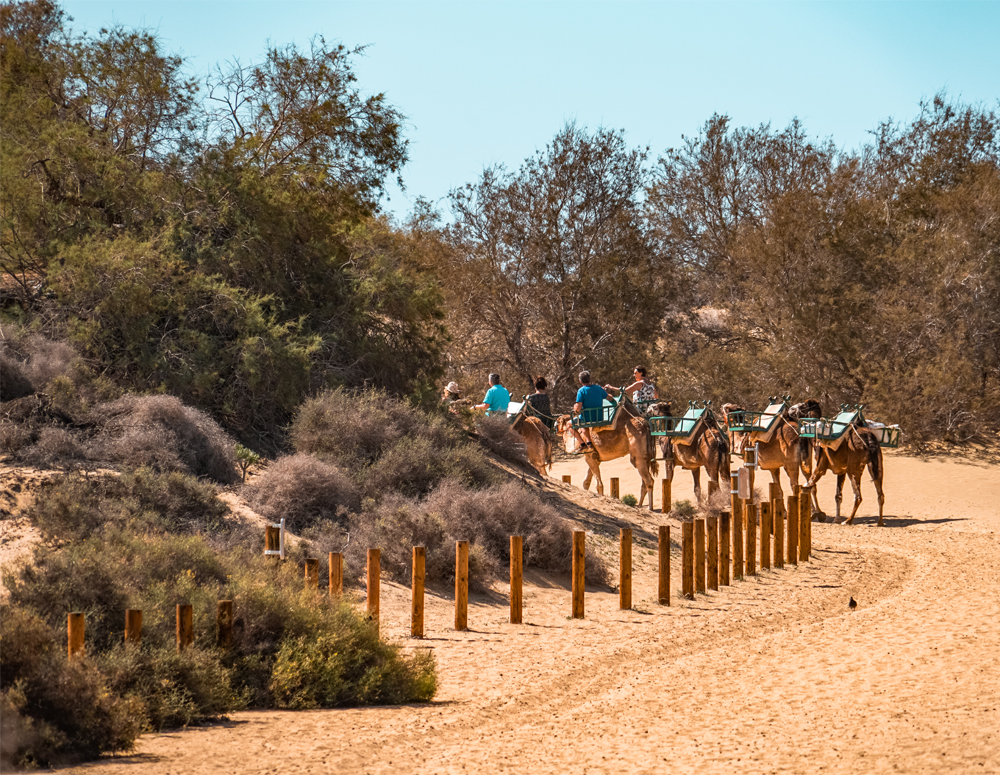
615,490
567,479
224,624
579,553
805,525
417,593
765,535
133,626
750,509
665,496
687,560
185,626
713,487
713,552
374,574
461,585
75,639
336,574
312,573
778,519
272,539
774,495
725,544
516,577
625,569
699,555
663,591
793,529
737,505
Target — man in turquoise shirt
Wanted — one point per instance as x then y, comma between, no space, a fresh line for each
589,405
496,399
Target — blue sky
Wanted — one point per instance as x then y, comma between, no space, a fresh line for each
484,83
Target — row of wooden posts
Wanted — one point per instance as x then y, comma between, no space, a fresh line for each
710,547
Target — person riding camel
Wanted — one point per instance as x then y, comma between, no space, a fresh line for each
642,389
589,403
497,398
539,400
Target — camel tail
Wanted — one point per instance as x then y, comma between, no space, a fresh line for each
874,457
654,466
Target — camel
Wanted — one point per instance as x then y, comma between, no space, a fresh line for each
628,434
537,441
860,448
784,449
709,449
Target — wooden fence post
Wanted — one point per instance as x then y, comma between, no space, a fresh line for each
312,573
516,578
663,590
778,520
793,529
765,535
805,525
625,569
133,626
75,637
579,572
665,496
725,545
336,574
750,509
615,489
713,552
737,506
687,560
374,576
224,624
567,479
417,593
461,585
699,555
185,626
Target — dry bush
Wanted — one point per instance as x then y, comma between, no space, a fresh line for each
164,434
387,444
304,490
54,446
14,383
495,434
452,512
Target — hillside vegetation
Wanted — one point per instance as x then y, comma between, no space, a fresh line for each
189,265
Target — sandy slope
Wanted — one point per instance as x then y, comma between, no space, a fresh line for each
773,674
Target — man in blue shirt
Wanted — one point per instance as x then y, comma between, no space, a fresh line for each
589,405
497,398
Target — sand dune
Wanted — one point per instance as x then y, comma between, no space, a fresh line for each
772,674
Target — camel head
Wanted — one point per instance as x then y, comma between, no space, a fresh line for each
728,409
563,423
810,408
659,409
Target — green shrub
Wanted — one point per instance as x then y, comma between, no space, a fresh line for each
629,500
684,509
55,710
75,507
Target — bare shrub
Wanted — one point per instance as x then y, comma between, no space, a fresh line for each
48,359
452,512
495,434
304,490
53,447
14,383
163,433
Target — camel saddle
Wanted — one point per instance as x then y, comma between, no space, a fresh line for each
831,433
767,423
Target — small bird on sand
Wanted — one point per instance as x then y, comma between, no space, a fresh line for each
853,604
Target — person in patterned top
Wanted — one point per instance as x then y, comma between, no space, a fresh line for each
642,389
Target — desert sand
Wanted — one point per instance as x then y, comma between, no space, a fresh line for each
772,674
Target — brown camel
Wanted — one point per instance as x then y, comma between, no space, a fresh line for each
628,434
708,448
781,449
537,442
859,448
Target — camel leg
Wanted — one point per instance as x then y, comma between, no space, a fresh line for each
594,464
881,498
696,473
840,496
856,484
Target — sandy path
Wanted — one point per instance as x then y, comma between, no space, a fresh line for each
773,674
